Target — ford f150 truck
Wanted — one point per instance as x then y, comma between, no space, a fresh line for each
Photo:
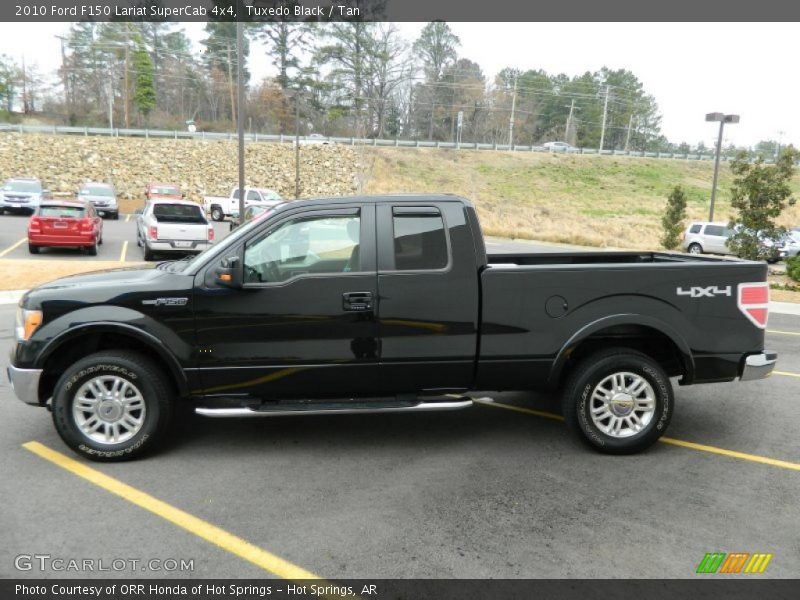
219,207
389,303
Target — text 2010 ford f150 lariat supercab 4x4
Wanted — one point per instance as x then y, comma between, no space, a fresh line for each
383,304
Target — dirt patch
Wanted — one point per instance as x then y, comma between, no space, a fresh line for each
25,274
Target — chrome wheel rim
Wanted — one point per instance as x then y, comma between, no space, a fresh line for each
622,404
694,249
109,409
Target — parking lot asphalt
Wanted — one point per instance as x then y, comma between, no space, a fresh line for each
498,490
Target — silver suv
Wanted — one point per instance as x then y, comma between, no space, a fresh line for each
22,195
103,196
706,237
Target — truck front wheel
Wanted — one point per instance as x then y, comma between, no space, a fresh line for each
112,406
619,401
216,213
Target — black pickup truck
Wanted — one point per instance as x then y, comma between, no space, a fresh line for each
388,303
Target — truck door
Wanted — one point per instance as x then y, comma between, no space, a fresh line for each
303,324
428,286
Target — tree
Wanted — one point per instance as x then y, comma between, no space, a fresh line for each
436,46
286,41
8,82
673,218
760,193
144,95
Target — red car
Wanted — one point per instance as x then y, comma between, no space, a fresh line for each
163,191
65,224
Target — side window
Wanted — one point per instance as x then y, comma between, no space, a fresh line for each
717,230
696,228
253,195
419,242
310,245
235,194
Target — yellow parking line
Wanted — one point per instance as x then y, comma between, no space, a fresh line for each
764,460
202,529
124,251
783,332
13,247
786,374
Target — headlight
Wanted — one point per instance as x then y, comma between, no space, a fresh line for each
28,321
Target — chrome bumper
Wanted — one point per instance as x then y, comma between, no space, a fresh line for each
758,366
25,383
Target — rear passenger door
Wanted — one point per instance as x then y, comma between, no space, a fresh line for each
428,290
715,238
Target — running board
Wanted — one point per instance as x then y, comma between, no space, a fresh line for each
341,408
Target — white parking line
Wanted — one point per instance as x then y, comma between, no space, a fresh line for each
14,247
124,251
127,217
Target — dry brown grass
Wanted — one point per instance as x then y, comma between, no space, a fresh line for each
25,274
586,200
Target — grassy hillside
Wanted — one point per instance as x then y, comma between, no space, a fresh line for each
588,200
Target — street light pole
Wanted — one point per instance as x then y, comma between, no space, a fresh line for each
240,112
722,119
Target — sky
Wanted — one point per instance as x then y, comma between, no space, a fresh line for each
690,68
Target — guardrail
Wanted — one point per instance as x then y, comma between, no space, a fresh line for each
350,141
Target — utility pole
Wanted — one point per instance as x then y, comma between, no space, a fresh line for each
230,76
569,122
605,114
511,119
297,145
125,83
722,119
67,103
628,135
240,119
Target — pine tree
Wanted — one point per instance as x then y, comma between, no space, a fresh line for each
674,216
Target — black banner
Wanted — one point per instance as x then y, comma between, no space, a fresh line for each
744,588
398,10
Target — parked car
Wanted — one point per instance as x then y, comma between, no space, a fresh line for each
384,304
560,147
103,196
173,226
255,211
65,224
22,195
219,207
163,191
791,244
712,238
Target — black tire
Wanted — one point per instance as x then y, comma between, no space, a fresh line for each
137,370
115,216
148,254
33,249
217,214
100,241
92,250
577,400
695,248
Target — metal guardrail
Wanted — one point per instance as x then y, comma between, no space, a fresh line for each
350,141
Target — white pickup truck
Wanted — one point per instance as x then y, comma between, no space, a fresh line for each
173,226
219,207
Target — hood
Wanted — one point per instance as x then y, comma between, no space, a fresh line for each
94,198
113,286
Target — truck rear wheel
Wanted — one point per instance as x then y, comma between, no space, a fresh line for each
619,401
112,406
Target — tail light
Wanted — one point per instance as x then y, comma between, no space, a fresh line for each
35,226
754,302
86,224
153,232
210,233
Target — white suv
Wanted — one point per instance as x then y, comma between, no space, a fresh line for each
706,237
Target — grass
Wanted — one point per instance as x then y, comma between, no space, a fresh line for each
586,200
24,274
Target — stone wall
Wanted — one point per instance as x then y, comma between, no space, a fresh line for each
199,167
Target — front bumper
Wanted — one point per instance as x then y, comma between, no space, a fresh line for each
758,366
25,383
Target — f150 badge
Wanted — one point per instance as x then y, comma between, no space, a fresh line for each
705,292
166,301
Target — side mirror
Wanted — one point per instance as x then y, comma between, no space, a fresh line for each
229,273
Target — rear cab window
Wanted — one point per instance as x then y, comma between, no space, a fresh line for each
178,213
419,239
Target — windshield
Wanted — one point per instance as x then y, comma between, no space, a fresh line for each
69,212
178,213
96,190
22,186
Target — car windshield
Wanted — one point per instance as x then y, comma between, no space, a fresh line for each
22,186
96,190
165,190
68,212
178,213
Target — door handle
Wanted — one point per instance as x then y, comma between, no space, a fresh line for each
357,301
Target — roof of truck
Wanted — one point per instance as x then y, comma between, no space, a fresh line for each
413,198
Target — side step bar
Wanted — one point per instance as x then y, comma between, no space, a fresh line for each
333,409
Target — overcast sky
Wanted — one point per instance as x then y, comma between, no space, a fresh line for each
691,69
